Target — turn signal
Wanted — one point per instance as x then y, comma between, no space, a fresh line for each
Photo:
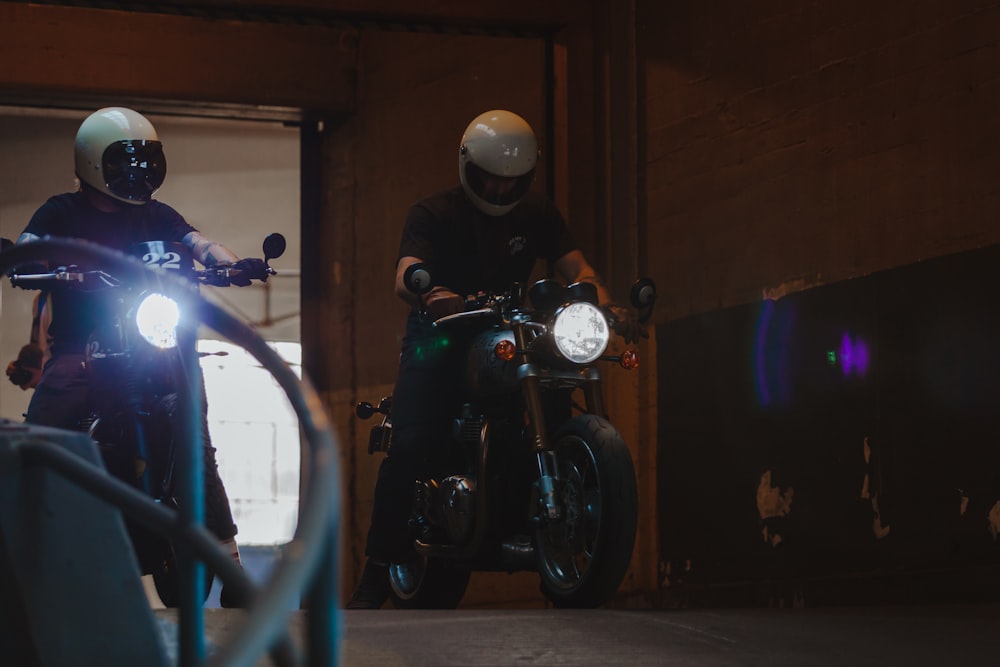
505,350
629,360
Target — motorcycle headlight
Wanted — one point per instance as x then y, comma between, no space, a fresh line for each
157,318
580,332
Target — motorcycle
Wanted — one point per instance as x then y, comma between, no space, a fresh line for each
135,364
533,480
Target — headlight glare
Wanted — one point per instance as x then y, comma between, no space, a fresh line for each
580,332
157,318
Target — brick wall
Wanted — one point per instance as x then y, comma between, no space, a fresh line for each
789,144
842,156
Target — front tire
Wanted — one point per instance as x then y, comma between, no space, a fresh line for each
583,556
426,583
167,580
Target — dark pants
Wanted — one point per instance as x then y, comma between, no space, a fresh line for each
61,400
424,400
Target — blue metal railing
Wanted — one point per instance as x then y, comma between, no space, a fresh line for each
309,567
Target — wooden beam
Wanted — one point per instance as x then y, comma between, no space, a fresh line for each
529,16
73,51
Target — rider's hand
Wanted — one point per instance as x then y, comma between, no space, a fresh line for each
26,370
441,301
625,323
243,272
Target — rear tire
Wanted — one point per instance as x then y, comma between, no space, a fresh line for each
583,556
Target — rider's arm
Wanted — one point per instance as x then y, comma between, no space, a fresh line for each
439,301
207,251
240,272
401,291
39,266
26,370
573,267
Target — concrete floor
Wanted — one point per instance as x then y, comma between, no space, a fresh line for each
931,636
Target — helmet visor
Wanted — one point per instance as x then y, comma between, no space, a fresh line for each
497,190
134,168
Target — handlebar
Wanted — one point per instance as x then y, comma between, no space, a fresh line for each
507,306
465,315
63,275
217,276
221,275
481,305
171,258
545,295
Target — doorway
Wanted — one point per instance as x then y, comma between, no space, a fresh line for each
236,181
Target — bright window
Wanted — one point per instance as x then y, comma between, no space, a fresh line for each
256,436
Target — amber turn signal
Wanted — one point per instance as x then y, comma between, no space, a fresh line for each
629,360
505,350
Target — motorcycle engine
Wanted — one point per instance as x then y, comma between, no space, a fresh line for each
449,505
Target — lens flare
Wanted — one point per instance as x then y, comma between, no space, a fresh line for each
852,356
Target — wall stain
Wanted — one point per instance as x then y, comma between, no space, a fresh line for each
878,528
994,519
772,502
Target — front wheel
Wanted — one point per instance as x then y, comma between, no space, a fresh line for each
583,556
167,579
426,583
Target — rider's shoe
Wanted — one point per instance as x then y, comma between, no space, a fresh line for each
230,599
373,589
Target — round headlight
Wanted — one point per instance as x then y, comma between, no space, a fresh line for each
157,318
580,332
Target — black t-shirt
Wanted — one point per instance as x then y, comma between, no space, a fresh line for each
75,314
468,251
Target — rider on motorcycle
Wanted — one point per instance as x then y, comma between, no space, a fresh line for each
120,165
482,235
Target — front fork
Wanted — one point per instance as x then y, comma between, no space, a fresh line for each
549,507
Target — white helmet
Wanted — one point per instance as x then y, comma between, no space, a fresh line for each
496,161
119,153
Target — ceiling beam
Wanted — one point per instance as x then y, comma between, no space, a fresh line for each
216,67
527,18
